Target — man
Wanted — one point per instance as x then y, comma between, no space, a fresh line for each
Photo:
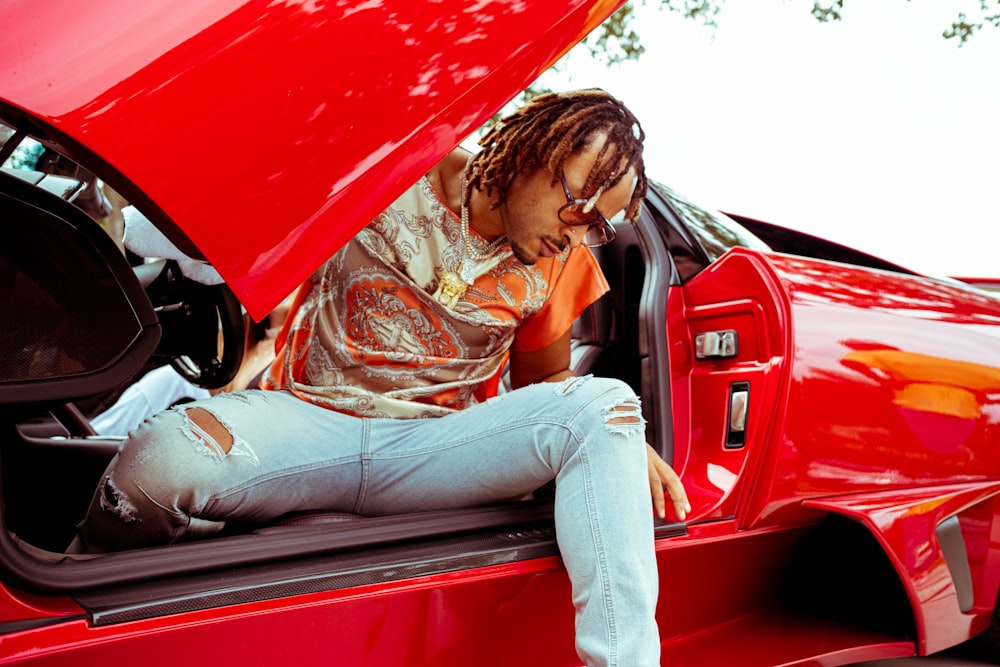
380,396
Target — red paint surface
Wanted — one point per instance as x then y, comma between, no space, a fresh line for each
272,131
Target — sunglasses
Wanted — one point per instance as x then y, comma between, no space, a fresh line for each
574,214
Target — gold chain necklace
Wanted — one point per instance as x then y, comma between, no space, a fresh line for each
454,283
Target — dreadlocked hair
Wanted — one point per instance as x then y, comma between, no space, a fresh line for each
553,127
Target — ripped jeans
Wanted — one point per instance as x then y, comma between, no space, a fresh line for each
255,455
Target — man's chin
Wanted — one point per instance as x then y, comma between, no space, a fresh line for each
522,255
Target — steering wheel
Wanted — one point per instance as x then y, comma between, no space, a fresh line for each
202,325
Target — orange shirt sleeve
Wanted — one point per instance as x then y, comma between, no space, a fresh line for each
580,283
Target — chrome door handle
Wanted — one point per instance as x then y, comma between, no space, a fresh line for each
736,417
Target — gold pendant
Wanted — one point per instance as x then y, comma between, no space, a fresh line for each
451,288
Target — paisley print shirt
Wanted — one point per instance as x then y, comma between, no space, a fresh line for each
366,335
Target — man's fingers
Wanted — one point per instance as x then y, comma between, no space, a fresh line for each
677,493
656,491
661,476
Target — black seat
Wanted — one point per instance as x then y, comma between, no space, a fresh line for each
593,332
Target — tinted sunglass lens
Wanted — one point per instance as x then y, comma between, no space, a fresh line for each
573,214
598,235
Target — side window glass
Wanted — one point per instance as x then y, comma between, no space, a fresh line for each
24,154
716,232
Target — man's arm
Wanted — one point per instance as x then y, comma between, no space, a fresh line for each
549,364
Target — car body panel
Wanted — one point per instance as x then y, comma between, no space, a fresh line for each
732,616
894,384
376,93
434,620
486,615
906,523
740,293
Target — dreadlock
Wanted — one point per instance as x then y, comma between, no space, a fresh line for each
553,127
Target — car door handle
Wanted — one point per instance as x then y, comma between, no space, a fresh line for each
736,417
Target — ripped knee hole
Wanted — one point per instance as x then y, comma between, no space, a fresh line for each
114,500
215,438
624,417
629,414
206,427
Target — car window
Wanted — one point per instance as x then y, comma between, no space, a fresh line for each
29,160
24,154
44,167
715,232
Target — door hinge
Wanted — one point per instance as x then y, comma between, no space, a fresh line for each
716,344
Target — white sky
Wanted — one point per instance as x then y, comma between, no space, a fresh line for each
874,131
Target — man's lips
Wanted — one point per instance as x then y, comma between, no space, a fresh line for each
548,249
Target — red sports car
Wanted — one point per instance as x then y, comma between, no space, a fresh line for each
834,418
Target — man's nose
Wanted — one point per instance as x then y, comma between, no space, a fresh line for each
574,234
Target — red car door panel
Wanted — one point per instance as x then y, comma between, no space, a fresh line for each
739,295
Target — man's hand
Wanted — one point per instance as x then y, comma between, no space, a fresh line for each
662,475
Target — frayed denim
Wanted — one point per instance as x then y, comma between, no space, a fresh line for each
252,456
